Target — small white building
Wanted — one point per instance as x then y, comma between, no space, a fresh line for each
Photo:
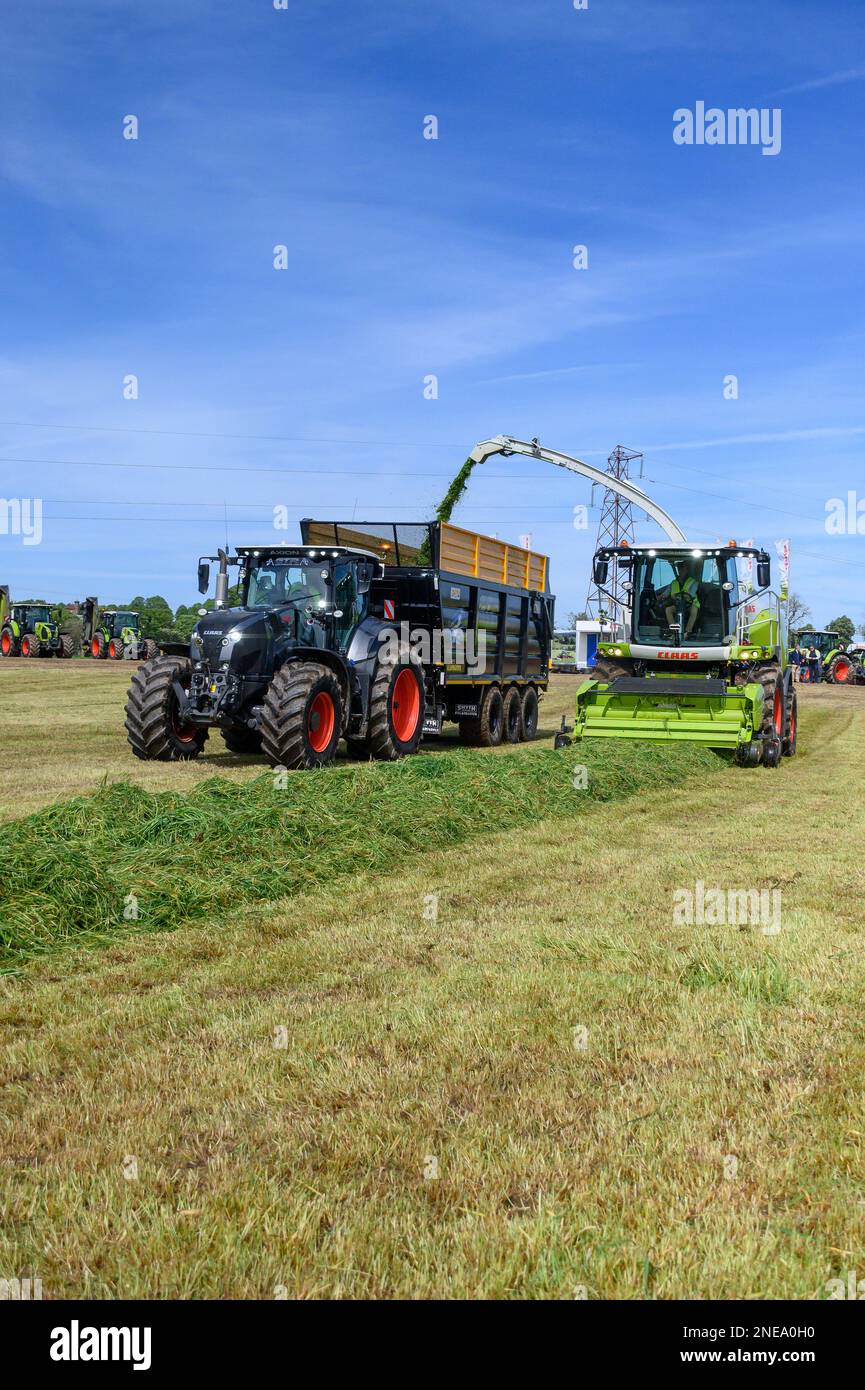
589,633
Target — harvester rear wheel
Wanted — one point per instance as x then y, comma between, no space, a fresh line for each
154,728
396,706
242,740
301,718
30,645
791,730
512,716
485,731
774,714
8,645
529,727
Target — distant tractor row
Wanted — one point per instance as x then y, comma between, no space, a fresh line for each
32,629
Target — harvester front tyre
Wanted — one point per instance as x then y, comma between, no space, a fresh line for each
774,721
529,728
8,644
246,741
154,727
791,731
301,718
486,731
30,645
512,716
396,706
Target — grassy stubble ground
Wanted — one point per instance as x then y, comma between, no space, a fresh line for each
498,1070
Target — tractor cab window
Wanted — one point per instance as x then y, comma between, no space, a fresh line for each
124,619
279,582
38,613
680,590
348,601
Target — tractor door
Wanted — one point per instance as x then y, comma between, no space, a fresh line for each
347,601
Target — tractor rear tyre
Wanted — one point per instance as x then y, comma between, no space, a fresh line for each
774,722
396,708
486,731
529,728
8,644
154,727
842,671
242,740
150,649
512,716
98,647
30,645
301,718
67,645
115,649
791,728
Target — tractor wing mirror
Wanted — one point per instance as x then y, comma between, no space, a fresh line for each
203,577
764,574
365,573
601,570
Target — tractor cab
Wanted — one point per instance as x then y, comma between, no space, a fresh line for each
825,642
683,596
121,623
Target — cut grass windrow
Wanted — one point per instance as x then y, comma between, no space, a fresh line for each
125,859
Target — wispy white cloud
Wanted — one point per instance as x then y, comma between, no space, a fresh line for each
832,79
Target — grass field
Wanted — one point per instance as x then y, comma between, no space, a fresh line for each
497,1068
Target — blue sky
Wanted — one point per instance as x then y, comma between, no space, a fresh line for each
410,257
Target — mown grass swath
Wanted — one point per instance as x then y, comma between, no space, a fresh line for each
70,869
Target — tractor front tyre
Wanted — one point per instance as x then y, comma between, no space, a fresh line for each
67,645
8,644
773,728
155,728
512,716
301,718
791,727
396,707
150,649
98,647
486,731
242,740
115,649
529,727
30,645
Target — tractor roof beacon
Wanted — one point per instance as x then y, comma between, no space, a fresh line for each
363,630
704,658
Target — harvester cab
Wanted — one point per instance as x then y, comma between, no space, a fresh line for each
114,633
31,629
704,655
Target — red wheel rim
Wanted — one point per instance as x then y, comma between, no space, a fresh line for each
6,642
94,647
112,650
320,722
793,725
842,670
779,710
25,647
405,705
182,732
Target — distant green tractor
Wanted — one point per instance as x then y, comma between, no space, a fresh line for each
838,666
114,633
30,629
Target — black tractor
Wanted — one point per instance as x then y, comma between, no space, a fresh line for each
299,664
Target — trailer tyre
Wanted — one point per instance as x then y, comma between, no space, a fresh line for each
396,706
242,740
301,718
30,645
512,716
154,728
529,727
8,644
485,731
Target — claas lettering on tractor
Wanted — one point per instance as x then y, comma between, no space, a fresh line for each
376,632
